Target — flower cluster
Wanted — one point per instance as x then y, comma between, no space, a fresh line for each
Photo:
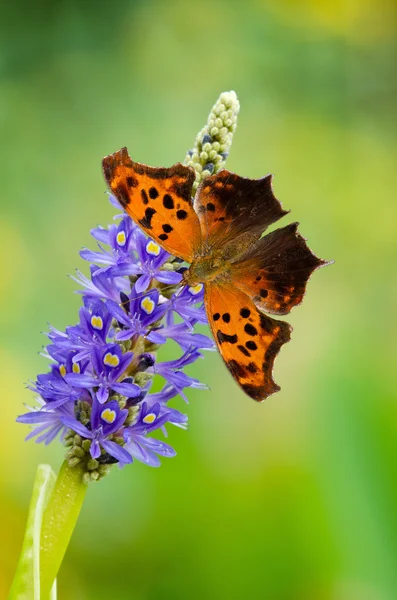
97,394
213,142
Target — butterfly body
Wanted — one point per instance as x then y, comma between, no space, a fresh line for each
206,269
219,234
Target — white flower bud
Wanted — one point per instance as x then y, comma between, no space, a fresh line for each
213,142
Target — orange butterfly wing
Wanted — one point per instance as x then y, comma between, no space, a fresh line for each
274,272
247,339
235,210
158,199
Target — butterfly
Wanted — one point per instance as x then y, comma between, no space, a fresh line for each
219,233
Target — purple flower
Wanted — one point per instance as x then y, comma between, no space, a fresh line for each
184,304
141,447
174,416
184,335
105,421
151,257
47,423
109,364
101,285
54,388
172,372
92,331
120,238
138,312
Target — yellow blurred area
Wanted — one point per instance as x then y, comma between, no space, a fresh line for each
293,499
363,21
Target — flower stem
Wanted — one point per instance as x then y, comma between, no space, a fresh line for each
59,520
26,582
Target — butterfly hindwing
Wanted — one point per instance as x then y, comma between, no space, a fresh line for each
230,206
248,340
158,199
274,271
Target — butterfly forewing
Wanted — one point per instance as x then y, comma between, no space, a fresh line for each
248,340
230,206
158,199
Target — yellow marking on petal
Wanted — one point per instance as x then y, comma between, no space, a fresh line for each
148,305
111,360
152,248
149,418
96,322
62,370
196,289
108,415
76,368
121,239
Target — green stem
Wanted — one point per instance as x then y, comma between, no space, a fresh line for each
59,520
26,584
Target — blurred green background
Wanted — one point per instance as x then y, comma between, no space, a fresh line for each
294,499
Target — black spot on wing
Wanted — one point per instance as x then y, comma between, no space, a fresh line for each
153,193
145,199
168,202
167,228
250,329
147,219
216,316
224,337
245,313
243,351
226,317
163,237
251,345
181,214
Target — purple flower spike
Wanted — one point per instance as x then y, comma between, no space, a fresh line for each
96,395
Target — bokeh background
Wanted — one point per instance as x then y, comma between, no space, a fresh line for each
294,499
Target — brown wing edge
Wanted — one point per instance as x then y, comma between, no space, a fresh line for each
303,261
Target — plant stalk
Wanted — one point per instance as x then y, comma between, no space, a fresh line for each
59,519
